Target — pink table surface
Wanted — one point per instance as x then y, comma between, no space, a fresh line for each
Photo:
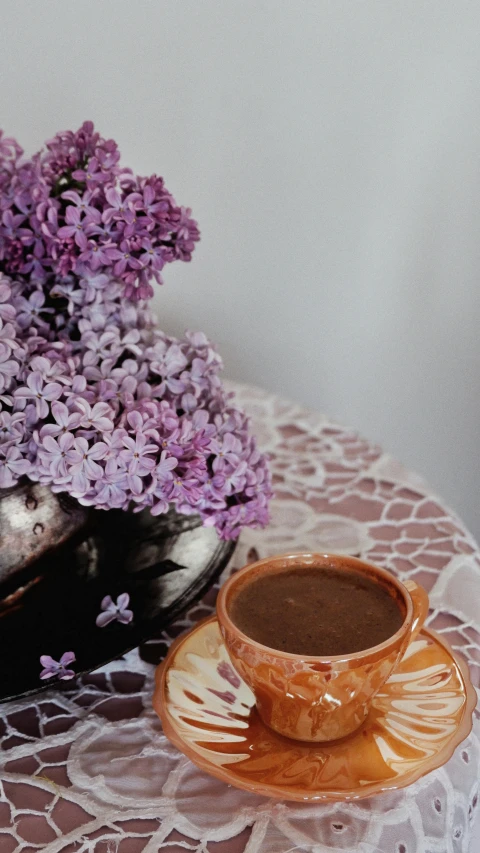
86,767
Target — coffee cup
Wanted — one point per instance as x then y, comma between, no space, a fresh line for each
318,698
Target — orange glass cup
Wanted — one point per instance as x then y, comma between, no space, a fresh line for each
318,698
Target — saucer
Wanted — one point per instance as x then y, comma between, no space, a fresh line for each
416,721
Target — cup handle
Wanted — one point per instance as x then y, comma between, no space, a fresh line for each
420,603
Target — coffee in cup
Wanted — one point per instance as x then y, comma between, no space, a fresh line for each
316,636
322,611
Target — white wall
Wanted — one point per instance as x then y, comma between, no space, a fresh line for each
331,153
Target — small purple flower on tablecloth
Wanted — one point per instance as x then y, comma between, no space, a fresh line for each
52,668
114,611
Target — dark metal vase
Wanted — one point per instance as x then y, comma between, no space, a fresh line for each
58,560
33,521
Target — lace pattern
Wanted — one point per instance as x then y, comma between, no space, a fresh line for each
85,767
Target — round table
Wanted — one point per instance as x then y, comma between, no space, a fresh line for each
86,767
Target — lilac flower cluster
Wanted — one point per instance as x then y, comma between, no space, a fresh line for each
97,401
73,209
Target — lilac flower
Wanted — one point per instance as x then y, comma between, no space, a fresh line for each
12,226
111,490
77,391
137,455
83,203
114,443
130,367
139,289
151,255
50,370
171,358
184,490
8,336
130,342
12,466
228,450
82,463
125,259
9,147
120,207
12,428
98,345
157,210
109,390
160,506
198,340
64,420
42,394
138,422
78,226
98,416
170,363
92,174
93,254
212,498
8,369
55,454
53,668
91,283
30,310
114,611
7,311
232,481
165,467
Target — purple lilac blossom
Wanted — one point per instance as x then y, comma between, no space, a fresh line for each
95,400
114,611
101,404
72,208
53,668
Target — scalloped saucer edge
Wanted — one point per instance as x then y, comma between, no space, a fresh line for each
417,720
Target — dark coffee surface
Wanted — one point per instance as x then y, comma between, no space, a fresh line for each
322,612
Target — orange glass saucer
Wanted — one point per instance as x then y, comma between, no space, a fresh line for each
417,720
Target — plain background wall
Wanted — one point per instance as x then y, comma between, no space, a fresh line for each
330,151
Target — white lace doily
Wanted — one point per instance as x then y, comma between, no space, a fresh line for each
85,767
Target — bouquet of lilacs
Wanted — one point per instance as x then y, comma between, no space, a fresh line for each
95,400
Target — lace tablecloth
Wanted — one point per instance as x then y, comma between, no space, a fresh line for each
86,767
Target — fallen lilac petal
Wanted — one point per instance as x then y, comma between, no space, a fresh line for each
47,673
67,674
104,619
125,616
123,600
